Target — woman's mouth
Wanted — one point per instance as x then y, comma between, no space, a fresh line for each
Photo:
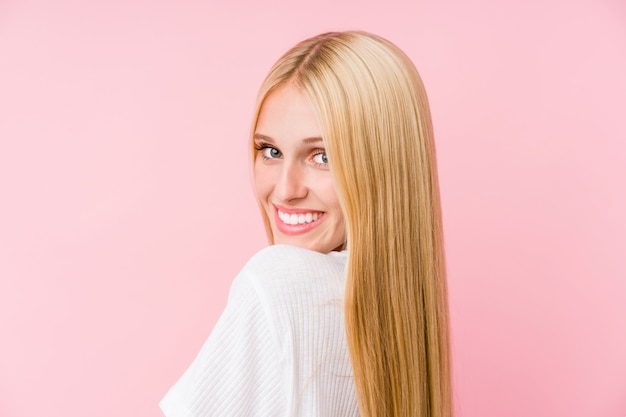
296,222
299,218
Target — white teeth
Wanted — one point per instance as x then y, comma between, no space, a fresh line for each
301,218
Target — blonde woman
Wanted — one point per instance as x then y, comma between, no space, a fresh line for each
345,314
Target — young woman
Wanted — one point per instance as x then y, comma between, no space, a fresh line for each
346,313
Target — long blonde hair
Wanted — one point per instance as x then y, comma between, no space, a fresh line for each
377,129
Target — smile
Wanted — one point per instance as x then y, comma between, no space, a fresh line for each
299,218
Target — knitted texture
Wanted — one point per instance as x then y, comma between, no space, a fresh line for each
279,348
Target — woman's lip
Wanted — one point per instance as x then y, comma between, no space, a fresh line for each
296,229
295,210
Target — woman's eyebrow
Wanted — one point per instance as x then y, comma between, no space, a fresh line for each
312,140
259,136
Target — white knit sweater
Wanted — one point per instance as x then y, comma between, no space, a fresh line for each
279,348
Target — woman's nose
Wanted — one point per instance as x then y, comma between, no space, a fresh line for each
291,183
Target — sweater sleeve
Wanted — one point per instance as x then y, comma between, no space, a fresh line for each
237,372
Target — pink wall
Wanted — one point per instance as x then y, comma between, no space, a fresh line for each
126,206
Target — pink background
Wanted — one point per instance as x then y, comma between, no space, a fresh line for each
126,207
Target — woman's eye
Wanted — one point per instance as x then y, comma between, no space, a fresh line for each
270,153
320,158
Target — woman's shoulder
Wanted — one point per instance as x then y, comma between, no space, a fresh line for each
290,277
287,261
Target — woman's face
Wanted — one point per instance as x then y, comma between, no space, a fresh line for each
293,183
